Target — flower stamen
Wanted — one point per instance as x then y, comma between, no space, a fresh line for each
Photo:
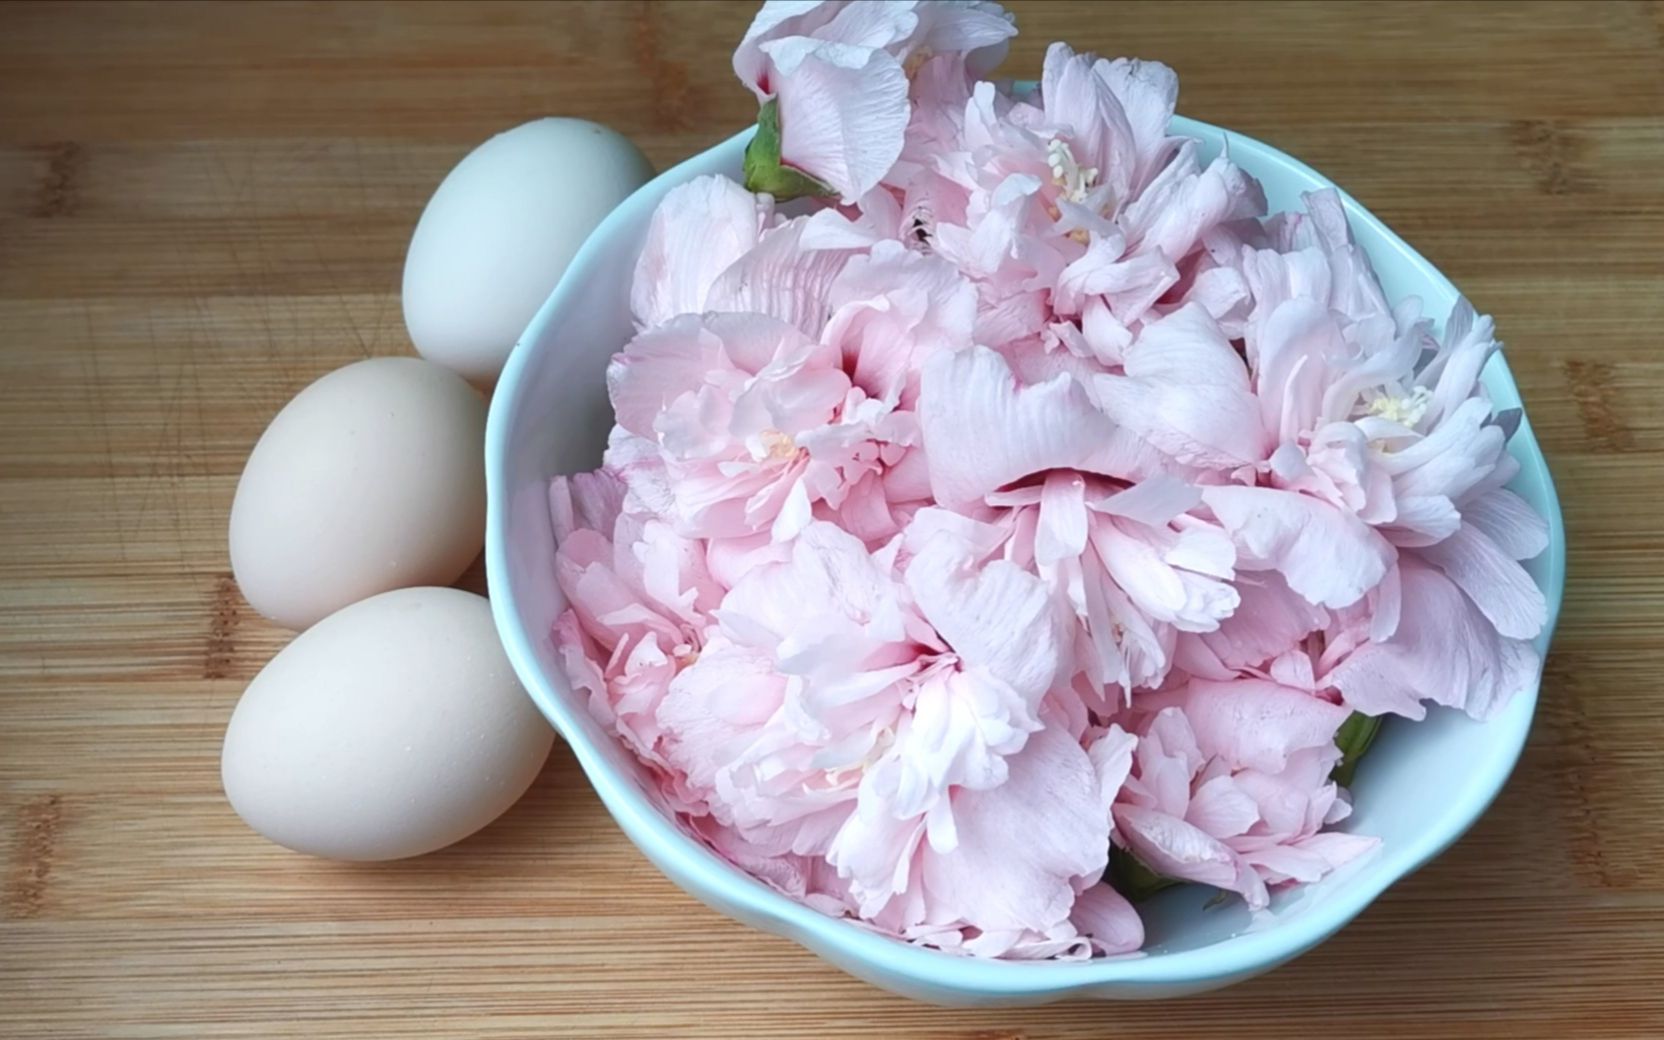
774,446
1067,172
1407,410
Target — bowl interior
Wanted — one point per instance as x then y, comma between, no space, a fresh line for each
1421,786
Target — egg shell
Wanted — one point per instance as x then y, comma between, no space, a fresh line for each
389,729
372,478
499,232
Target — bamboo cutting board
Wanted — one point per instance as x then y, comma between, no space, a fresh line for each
203,208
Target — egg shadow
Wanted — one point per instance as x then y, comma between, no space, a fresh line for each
473,579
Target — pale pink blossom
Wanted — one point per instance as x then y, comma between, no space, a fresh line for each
1131,568
1416,639
800,686
640,599
699,230
733,438
839,73
1370,439
716,403
1013,893
1231,788
1073,211
884,722
738,423
1390,452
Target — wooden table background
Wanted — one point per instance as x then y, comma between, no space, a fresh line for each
202,208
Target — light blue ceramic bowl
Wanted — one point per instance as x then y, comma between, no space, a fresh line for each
1419,789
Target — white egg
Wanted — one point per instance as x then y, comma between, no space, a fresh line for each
372,478
389,729
499,232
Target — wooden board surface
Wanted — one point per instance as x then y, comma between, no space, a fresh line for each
202,208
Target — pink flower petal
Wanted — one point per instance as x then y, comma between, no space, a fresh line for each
829,574
585,501
1338,848
655,368
978,29
875,852
1178,849
1148,92
982,430
1509,521
1183,204
1422,520
1051,800
1254,724
1186,392
774,20
1166,759
1271,619
1455,458
1469,342
782,278
1444,651
964,727
1104,916
1328,556
707,722
1290,352
1495,582
1112,757
1062,529
1078,98
1154,501
891,311
1131,282
1218,807
843,111
698,230
996,616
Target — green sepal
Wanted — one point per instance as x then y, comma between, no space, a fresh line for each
1353,738
763,171
1130,877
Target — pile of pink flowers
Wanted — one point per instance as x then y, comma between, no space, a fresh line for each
1034,495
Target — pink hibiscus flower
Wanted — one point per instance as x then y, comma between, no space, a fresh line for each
839,73
640,600
1230,787
1132,567
832,708
711,410
733,423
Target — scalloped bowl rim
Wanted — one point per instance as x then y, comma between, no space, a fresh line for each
908,968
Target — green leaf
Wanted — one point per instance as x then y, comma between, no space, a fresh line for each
763,170
1132,878
1353,738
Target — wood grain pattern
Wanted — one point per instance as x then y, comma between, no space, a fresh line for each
204,207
